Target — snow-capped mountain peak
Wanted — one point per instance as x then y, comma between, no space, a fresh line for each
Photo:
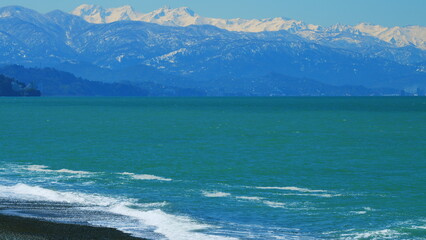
373,30
399,36
121,14
171,17
87,10
97,14
184,16
90,13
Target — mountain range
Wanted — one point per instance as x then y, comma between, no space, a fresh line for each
59,83
397,36
176,48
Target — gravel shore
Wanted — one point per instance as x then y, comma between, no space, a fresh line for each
17,228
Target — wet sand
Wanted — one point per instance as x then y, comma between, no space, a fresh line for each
17,228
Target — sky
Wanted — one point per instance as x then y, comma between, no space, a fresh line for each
320,12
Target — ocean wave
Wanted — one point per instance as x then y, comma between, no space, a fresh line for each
324,195
374,235
171,226
419,227
274,204
154,204
364,210
215,194
249,198
146,177
297,189
260,200
34,193
358,212
43,168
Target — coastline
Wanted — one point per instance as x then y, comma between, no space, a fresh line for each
16,228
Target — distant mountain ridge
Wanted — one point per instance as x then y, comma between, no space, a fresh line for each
205,58
10,87
52,82
398,36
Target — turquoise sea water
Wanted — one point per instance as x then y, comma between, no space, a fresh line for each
219,168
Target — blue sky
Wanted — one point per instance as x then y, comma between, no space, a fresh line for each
321,12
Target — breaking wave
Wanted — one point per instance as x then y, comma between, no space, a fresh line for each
216,194
296,189
146,177
170,226
42,168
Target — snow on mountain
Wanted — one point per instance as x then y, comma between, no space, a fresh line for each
184,17
97,14
336,55
90,13
397,36
172,17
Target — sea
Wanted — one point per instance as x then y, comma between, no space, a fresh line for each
219,168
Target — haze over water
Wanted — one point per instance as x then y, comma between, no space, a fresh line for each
219,168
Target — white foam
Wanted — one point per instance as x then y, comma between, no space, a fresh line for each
324,195
280,237
418,227
261,200
72,171
364,210
216,194
150,205
42,168
274,204
297,189
359,212
171,226
38,168
146,177
249,198
379,234
30,193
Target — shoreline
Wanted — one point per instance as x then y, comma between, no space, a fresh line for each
17,228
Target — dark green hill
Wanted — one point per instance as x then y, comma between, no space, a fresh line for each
12,88
52,82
